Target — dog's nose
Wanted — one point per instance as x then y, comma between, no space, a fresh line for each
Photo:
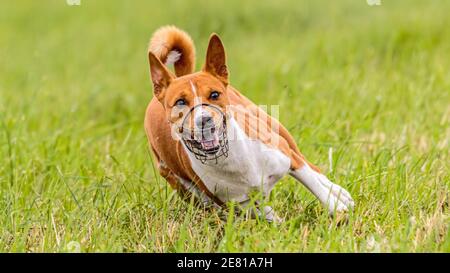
206,120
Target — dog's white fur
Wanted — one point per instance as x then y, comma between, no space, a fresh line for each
173,57
233,177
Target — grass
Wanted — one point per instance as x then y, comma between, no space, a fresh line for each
370,83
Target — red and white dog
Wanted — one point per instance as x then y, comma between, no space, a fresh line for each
211,141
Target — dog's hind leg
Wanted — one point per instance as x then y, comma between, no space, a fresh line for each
331,195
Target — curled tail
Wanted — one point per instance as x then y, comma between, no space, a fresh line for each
174,46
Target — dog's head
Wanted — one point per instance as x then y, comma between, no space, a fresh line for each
196,104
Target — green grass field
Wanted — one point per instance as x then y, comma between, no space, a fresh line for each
372,83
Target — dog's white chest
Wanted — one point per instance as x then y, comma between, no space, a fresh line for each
250,166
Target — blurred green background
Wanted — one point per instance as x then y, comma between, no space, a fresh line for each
370,82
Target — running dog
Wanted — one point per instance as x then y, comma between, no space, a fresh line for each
211,141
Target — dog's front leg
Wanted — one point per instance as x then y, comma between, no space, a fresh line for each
333,196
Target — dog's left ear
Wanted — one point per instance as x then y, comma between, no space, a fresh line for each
216,60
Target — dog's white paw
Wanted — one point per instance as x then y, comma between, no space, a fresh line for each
266,212
272,216
339,200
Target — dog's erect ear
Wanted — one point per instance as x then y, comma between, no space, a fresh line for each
216,59
161,76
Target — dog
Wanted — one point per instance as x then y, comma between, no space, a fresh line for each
211,142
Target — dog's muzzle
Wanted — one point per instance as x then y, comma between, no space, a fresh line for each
208,140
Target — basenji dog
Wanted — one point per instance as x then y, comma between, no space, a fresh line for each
213,143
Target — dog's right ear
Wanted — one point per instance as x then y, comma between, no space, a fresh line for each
161,76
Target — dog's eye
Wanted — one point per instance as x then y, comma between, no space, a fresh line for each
214,95
180,102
